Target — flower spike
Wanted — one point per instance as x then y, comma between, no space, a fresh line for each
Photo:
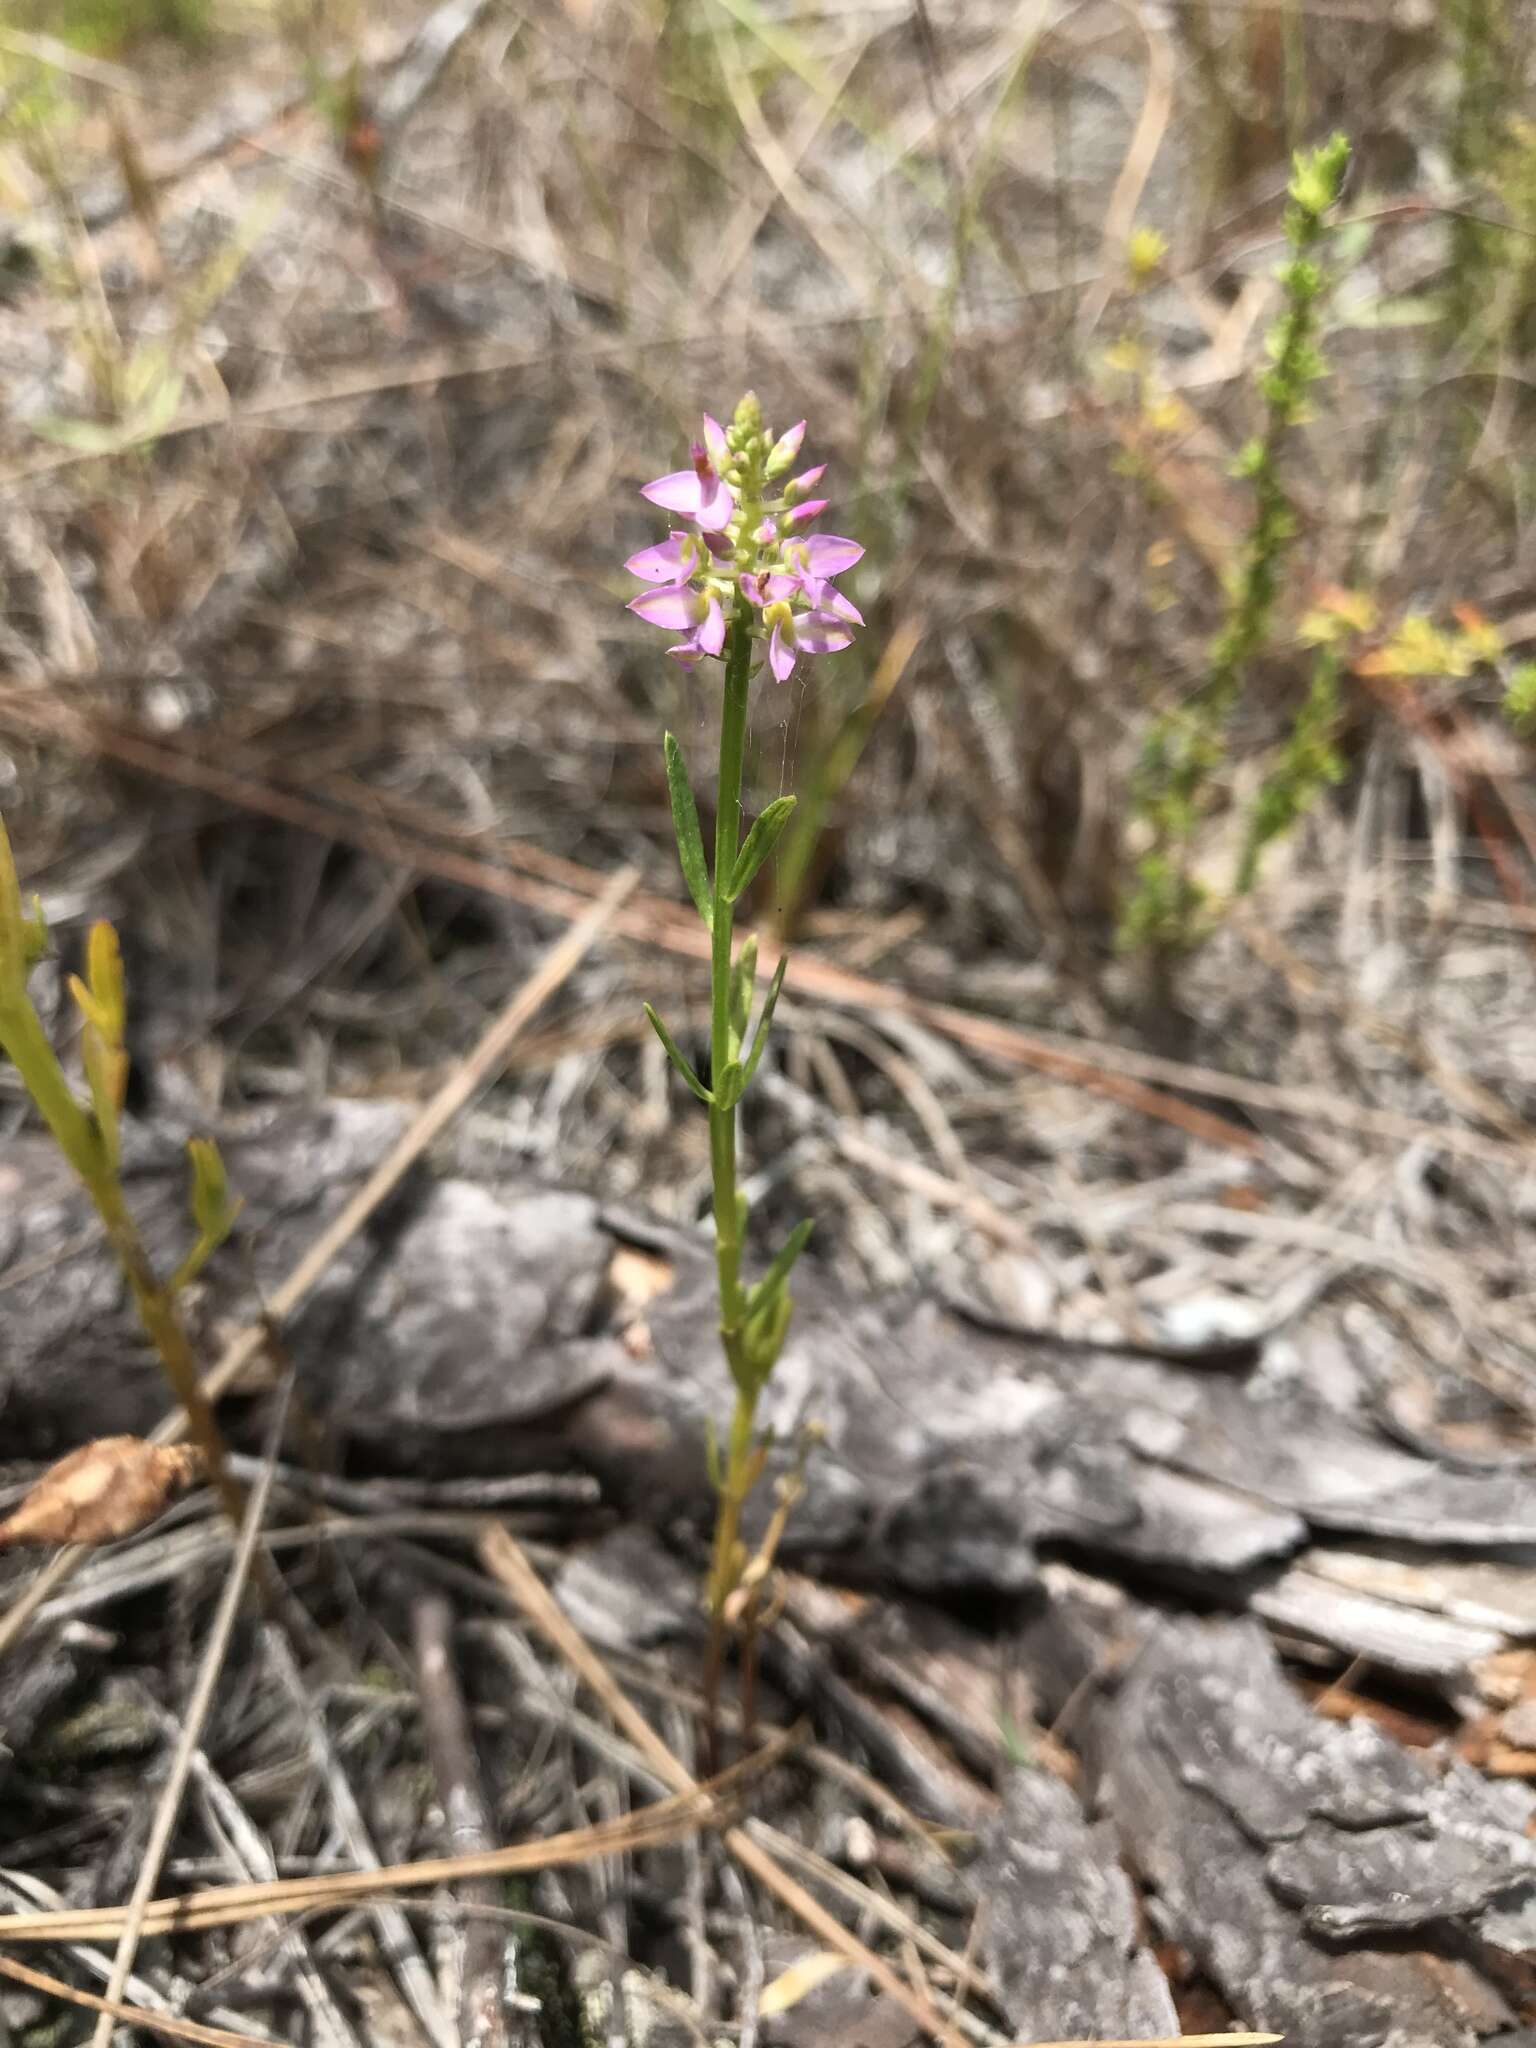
746,539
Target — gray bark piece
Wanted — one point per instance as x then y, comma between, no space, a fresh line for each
949,1456
1405,1639
1381,1880
1509,1925
469,1323
1059,1931
465,1332
1495,1596
627,1592
74,1363
1257,1825
1215,1704
1339,1474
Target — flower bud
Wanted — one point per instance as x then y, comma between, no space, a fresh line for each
783,452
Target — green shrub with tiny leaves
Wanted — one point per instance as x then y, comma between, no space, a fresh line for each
1167,909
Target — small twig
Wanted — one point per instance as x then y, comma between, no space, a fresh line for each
168,1812
250,1854
397,1939
701,1957
753,1975
507,1563
29,1894
130,2015
654,921
484,2021
657,1826
463,1496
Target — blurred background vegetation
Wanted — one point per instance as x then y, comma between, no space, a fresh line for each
337,339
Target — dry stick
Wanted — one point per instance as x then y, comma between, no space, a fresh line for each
506,1562
232,1905
34,1895
483,2016
199,1706
1307,985
131,2015
251,1855
477,1068
654,921
397,1938
559,886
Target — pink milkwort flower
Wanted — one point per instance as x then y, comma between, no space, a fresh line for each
697,493
682,610
813,632
671,560
820,554
746,541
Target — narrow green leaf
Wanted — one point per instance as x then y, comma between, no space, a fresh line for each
213,1209
760,842
743,976
763,1337
727,1088
675,1056
782,1266
685,823
760,1036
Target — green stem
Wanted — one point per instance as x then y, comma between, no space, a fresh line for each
722,1045
26,1044
24,1040
735,1480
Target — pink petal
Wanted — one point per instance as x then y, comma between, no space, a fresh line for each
685,653
817,633
715,506
829,554
779,587
781,655
826,598
805,481
663,563
678,491
811,509
710,636
677,608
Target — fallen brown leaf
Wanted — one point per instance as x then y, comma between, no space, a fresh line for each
101,1492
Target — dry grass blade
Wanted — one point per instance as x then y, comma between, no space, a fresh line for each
231,1905
168,1807
653,921
508,1563
130,2015
396,1938
477,1068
